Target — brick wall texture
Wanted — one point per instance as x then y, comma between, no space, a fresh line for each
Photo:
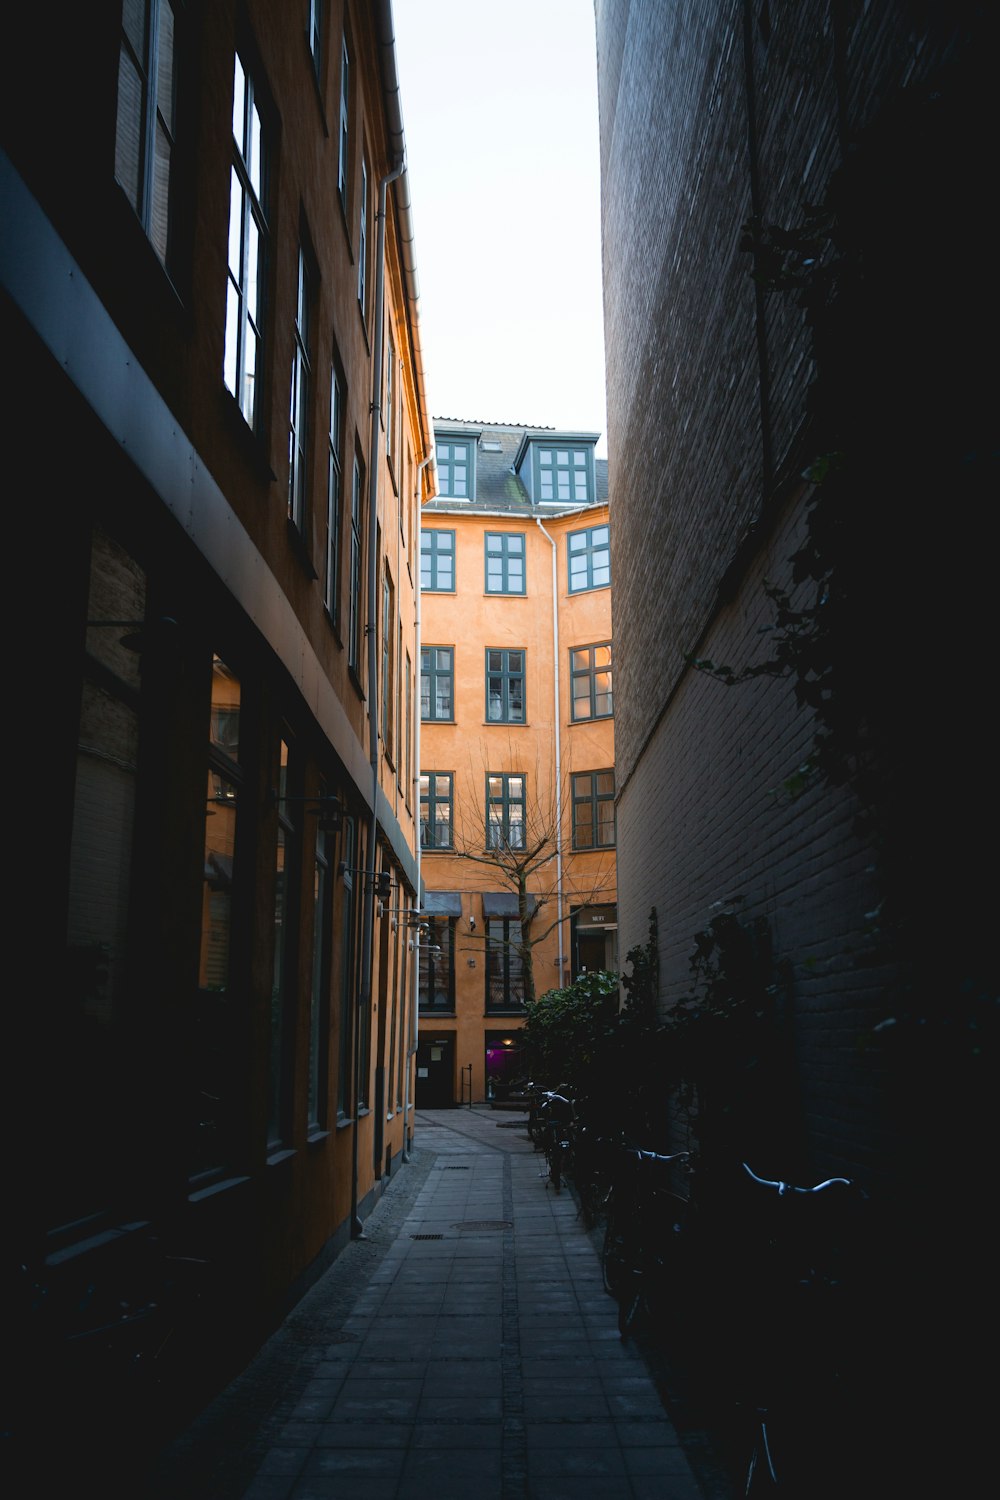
710,109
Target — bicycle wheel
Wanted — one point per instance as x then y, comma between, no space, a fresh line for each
615,1252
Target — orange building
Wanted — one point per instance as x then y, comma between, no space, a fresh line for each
516,748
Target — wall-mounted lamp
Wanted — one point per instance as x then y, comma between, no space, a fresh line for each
140,631
471,962
472,924
330,810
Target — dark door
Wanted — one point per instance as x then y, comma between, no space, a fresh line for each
435,1087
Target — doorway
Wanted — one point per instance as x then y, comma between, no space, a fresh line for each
505,1066
435,1086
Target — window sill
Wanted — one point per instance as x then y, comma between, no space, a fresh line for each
297,542
317,1137
592,588
450,850
283,1154
505,594
438,721
506,723
344,1121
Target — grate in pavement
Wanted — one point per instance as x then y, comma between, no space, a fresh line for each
426,1236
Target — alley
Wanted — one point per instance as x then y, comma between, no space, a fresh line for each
464,1345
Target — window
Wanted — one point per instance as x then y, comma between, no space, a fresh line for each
390,396
437,561
345,1059
319,1015
437,682
283,981
505,805
215,1091
145,126
363,241
590,681
436,984
589,559
388,665
455,468
247,250
331,582
504,964
504,562
316,32
594,810
354,623
505,686
298,406
563,475
437,793
409,730
342,160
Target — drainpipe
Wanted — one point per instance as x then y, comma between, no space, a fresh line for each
558,745
414,1017
364,995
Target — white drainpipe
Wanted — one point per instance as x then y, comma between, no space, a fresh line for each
558,744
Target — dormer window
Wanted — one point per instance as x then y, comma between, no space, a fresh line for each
563,476
456,468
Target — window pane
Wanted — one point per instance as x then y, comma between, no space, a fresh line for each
128,129
165,65
159,207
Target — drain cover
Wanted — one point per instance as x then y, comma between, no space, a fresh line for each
426,1236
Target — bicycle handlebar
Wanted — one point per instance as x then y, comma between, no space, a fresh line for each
784,1188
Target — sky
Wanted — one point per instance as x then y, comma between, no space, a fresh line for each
499,103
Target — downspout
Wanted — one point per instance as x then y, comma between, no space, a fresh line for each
558,745
414,1017
367,957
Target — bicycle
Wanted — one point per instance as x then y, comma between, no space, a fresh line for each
794,1321
557,1119
649,1222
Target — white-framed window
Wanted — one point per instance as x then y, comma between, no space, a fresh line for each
145,123
247,249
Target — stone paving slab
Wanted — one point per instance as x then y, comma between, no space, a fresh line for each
463,1347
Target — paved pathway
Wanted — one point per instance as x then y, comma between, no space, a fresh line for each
464,1347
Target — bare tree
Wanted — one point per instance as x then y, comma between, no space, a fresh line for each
518,840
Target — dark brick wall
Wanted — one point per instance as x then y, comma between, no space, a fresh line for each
710,110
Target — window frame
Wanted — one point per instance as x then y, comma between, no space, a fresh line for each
334,495
432,672
590,672
540,471
300,394
588,551
433,552
343,153
250,173
496,546
503,800
445,467
429,966
430,800
144,195
503,965
388,665
592,798
363,213
357,553
508,675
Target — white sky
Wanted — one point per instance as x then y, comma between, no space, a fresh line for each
499,102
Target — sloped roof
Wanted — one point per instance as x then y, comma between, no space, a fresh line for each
498,445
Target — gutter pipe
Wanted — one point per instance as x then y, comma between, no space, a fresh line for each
414,1026
558,744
